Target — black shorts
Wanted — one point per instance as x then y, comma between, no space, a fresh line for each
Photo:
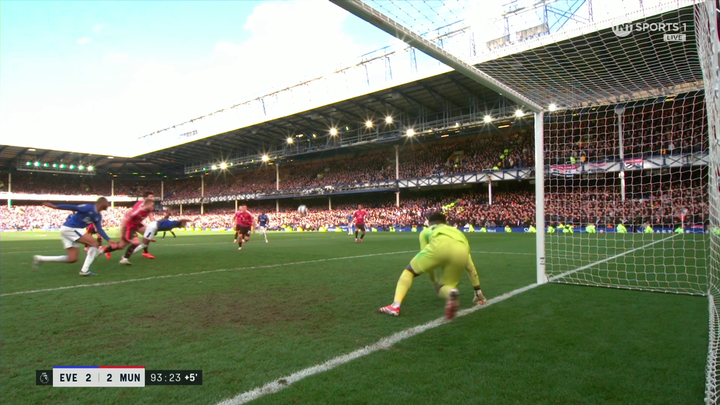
360,227
244,230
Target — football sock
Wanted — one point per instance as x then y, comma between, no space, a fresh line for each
362,235
403,285
92,253
57,259
140,247
130,251
236,236
356,234
173,234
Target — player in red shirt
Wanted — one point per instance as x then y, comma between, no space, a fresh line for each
359,221
132,224
243,224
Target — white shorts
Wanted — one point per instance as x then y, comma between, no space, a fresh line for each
150,230
260,229
70,235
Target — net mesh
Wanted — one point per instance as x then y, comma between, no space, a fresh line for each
631,144
623,183
707,16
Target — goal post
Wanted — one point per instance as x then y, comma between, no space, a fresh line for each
540,199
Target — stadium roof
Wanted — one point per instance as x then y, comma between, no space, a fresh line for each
573,65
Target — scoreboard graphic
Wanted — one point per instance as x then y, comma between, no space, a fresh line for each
114,376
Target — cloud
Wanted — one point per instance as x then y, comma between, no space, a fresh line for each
98,27
288,42
117,57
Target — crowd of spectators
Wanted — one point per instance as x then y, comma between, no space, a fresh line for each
673,127
589,134
417,160
661,204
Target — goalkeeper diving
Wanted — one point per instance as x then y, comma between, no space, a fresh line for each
445,247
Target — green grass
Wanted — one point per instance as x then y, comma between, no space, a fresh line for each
250,325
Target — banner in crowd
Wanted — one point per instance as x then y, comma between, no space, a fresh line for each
564,170
598,167
633,163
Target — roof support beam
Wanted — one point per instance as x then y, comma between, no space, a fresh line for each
380,20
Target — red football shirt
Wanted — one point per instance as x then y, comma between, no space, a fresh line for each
359,216
137,215
244,219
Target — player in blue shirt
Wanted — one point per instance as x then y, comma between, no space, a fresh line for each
73,232
350,222
263,223
164,225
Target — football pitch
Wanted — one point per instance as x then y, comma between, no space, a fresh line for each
275,314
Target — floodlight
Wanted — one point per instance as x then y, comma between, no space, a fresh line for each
333,131
410,132
487,119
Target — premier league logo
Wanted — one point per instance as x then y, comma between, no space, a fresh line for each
43,377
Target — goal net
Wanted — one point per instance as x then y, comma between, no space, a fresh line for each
627,91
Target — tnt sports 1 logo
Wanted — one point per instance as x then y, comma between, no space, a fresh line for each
672,32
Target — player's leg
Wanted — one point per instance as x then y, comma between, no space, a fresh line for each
357,232
237,230
134,241
457,256
92,253
425,261
148,236
240,237
68,236
362,235
263,230
164,232
173,234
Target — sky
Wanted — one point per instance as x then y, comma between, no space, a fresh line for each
85,75
94,76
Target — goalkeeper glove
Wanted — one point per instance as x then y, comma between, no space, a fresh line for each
479,297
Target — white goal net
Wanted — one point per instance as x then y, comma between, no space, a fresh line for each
627,150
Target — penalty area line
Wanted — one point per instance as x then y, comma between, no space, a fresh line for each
197,273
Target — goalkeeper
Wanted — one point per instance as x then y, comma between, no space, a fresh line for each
440,246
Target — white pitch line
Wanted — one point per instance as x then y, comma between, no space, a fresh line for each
265,266
387,342
384,343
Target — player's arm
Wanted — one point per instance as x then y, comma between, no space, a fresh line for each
425,237
475,280
101,231
68,207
